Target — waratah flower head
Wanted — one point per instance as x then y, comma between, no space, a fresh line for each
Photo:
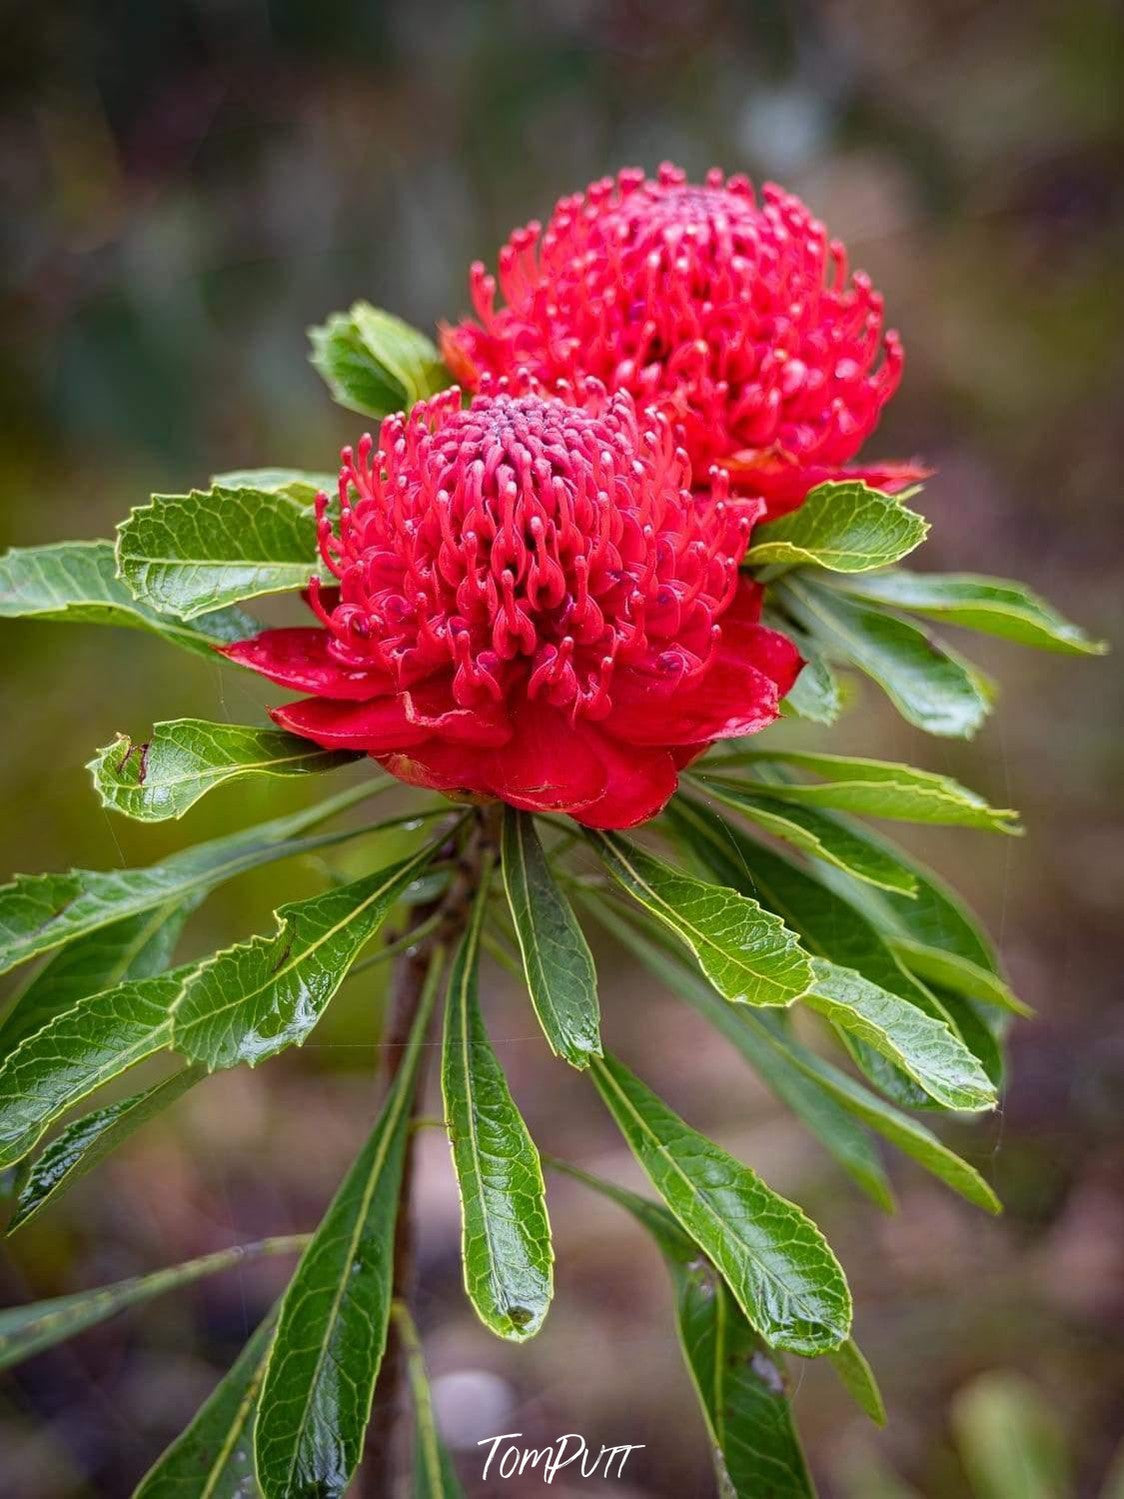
532,604
736,313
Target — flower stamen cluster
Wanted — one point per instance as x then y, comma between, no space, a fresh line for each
531,600
736,313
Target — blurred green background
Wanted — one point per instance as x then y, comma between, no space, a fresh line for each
187,185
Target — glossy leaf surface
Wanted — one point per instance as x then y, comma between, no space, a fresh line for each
165,775
846,527
558,964
505,1242
774,1259
749,955
76,582
331,1332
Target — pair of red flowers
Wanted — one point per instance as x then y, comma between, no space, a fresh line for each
539,596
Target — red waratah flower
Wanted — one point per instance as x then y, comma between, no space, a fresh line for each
737,315
532,605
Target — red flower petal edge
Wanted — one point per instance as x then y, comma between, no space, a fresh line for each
735,312
533,604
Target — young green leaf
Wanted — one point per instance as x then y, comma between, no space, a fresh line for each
847,1141
812,833
749,955
164,776
846,527
928,684
79,1051
255,999
769,1048
994,606
297,483
27,1330
77,582
739,1381
434,1474
40,912
908,1135
815,695
934,965
934,917
828,922
829,925
189,554
134,948
875,788
558,964
926,1049
505,1240
857,1378
981,1029
212,1458
375,363
774,1259
331,1331
81,1145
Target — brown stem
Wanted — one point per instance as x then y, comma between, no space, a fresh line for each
381,1463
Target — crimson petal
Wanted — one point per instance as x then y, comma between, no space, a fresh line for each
298,658
375,728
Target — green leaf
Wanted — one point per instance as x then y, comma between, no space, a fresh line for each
739,1382
86,1142
846,527
255,999
188,554
1009,1439
935,917
815,694
994,606
774,1259
375,363
163,776
828,922
27,1330
830,926
505,1239
749,956
926,1049
980,1028
40,912
857,1378
558,964
951,971
77,582
767,1046
877,788
812,833
825,1118
928,684
908,1135
297,483
78,1052
213,1457
331,1332
434,1474
134,948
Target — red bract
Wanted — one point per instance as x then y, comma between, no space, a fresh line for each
737,315
532,605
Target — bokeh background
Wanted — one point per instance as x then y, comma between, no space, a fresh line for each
187,185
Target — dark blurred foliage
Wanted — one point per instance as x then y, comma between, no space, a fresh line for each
187,185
